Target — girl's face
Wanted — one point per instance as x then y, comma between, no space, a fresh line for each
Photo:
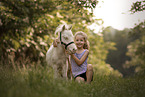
79,41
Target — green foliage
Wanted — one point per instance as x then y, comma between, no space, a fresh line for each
98,53
138,6
99,48
38,82
27,26
18,33
136,49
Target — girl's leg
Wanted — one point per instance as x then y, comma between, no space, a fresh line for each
79,79
89,73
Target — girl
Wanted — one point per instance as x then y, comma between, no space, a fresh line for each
81,70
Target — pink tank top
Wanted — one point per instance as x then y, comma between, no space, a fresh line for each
77,70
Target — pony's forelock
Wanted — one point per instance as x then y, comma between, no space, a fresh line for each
60,27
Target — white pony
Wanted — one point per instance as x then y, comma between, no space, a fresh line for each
56,56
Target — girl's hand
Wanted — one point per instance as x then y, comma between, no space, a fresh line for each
55,41
68,52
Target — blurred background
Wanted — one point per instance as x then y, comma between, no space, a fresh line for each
115,29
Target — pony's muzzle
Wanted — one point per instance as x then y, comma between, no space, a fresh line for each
74,50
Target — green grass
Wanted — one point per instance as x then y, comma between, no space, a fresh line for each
39,82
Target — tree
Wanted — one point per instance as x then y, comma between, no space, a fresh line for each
137,6
136,49
27,26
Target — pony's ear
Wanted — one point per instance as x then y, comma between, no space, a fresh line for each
63,28
70,27
55,32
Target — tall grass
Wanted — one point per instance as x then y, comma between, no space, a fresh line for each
39,82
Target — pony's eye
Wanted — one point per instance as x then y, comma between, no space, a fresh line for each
66,38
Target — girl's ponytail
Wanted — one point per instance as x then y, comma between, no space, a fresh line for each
87,45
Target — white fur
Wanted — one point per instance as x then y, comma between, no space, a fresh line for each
56,56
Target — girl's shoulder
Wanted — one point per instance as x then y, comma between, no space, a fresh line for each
86,50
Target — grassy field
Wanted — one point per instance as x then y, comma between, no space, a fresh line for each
38,82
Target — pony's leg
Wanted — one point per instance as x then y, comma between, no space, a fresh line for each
55,71
69,70
64,71
69,76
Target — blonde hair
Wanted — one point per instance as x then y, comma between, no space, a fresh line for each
86,45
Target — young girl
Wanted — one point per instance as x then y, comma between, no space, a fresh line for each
81,70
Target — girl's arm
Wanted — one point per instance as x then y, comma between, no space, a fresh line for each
83,58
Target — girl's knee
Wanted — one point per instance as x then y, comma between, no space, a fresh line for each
80,79
90,67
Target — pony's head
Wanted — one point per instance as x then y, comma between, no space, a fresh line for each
66,38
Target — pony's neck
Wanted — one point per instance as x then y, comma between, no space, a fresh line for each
61,48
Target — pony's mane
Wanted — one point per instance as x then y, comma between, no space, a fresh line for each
59,28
